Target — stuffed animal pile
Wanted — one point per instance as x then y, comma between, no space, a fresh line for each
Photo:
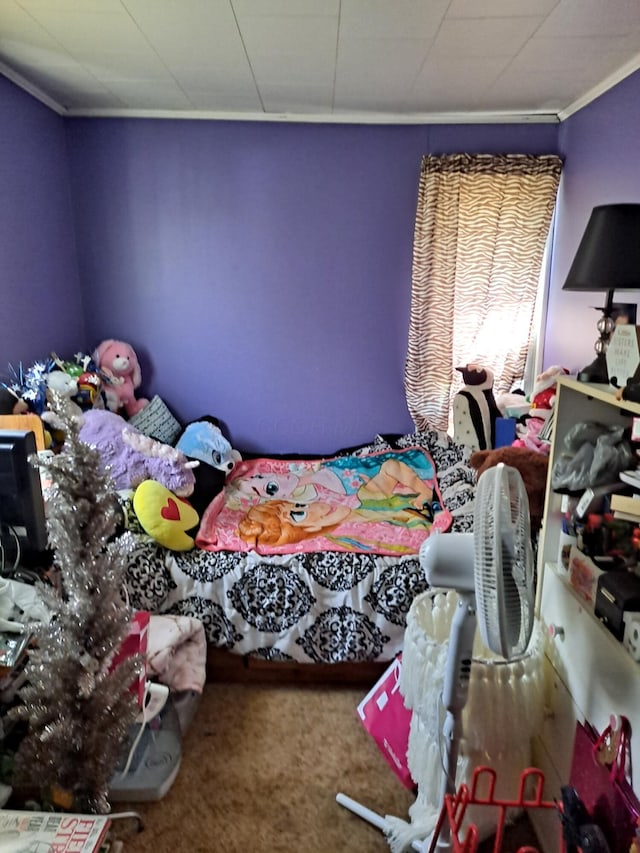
79,380
108,379
30,391
542,401
170,486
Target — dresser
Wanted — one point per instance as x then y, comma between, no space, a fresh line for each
588,673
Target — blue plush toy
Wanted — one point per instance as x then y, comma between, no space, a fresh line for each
203,440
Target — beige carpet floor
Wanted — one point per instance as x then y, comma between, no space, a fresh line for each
261,768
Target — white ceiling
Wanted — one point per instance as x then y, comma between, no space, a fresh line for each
320,60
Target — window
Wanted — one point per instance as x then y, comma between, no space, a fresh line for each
481,227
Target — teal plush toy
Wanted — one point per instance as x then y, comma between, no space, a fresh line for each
203,440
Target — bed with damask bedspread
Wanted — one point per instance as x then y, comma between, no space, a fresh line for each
341,603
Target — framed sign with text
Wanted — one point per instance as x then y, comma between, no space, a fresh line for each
623,354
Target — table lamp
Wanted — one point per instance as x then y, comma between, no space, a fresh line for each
608,259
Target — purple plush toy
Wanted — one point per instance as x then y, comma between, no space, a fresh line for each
130,457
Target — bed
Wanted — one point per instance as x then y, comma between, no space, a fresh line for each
337,603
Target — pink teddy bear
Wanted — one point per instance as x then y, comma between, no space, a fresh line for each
119,363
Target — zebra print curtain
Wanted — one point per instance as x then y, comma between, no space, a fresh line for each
481,226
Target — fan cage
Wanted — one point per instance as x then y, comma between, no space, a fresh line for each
503,562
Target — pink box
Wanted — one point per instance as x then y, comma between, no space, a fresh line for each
583,576
135,643
384,715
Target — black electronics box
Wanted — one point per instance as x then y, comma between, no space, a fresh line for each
618,592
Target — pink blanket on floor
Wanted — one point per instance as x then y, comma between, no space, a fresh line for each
177,652
386,502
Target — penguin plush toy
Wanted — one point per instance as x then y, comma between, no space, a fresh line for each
475,410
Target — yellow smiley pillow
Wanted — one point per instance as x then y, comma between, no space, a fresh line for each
164,516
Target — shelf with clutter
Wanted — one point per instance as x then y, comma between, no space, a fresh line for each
589,569
594,478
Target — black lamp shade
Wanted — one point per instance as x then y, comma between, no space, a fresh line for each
608,257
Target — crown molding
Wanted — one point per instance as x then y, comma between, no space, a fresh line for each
33,90
608,83
328,118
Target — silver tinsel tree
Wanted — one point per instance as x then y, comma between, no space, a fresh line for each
79,707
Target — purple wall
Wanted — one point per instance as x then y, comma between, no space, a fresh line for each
602,166
41,306
262,271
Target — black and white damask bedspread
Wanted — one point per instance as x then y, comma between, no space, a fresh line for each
326,607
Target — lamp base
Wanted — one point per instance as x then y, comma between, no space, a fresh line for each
595,372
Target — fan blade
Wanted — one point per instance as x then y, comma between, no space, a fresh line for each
503,561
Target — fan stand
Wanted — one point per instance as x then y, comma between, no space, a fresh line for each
447,562
454,697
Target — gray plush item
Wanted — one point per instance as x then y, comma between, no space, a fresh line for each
156,421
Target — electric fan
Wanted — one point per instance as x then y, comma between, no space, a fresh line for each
491,569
